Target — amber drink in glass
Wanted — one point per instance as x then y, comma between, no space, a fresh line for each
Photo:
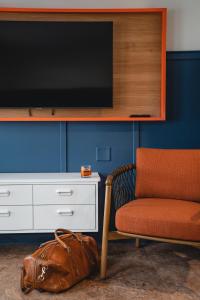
86,171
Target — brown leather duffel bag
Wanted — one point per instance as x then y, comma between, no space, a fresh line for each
59,264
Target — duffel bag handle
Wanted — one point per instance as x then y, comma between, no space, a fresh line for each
65,231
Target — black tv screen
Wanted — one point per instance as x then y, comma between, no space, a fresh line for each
55,64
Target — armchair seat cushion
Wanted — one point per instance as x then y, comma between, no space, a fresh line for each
165,218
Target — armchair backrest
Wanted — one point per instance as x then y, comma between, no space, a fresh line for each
163,173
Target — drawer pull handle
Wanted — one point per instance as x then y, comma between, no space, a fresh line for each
5,213
64,192
67,212
4,193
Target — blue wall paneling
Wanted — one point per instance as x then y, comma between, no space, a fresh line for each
84,138
181,130
32,147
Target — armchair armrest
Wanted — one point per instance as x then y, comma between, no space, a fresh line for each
121,182
119,171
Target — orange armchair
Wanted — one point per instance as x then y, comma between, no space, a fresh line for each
166,205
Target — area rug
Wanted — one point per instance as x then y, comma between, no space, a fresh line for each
156,271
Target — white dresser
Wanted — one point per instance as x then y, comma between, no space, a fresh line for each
42,202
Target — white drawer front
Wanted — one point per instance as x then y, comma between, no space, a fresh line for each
15,194
16,217
64,194
74,217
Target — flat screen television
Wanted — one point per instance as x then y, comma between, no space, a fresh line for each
56,64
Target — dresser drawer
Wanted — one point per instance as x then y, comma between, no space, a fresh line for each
64,194
74,217
15,194
16,218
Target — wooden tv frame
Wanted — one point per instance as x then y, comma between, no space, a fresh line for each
139,65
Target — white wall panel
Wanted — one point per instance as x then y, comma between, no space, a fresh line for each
183,15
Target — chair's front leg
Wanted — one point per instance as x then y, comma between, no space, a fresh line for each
106,224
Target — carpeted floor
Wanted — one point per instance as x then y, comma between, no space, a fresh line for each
155,272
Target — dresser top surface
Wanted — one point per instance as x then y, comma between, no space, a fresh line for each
47,178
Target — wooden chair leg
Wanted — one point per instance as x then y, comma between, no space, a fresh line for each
106,223
104,253
137,243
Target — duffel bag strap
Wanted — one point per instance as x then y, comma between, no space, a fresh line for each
65,231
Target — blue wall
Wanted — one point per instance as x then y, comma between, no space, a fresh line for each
32,147
181,130
55,147
61,147
84,138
